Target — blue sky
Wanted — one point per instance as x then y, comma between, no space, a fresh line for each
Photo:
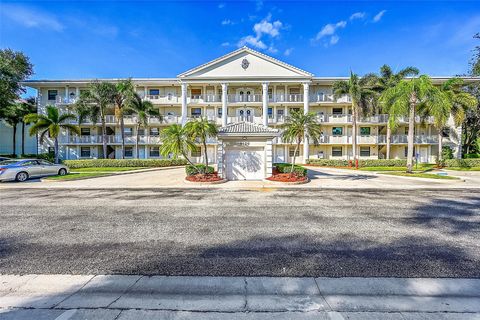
95,39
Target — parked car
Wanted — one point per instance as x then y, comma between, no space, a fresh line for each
3,158
23,169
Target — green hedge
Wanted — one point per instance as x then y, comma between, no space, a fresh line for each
361,163
464,163
90,163
45,156
287,167
190,170
472,156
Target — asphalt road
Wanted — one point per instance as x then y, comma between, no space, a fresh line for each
414,233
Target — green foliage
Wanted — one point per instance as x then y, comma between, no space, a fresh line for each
150,163
193,170
45,156
462,163
447,153
287,168
15,67
361,163
472,156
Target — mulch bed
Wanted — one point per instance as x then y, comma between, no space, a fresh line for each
286,177
212,177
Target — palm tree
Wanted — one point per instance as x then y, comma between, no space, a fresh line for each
94,103
13,115
51,123
363,99
143,110
299,126
406,98
201,129
26,107
460,103
389,79
124,91
176,141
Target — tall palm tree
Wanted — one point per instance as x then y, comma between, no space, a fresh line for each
201,129
26,107
363,99
51,123
142,110
460,103
386,79
124,91
176,141
94,103
298,126
406,98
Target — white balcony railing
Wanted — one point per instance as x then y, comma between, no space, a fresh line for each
403,139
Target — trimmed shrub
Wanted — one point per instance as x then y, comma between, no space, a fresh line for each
472,156
190,170
152,163
447,153
463,163
361,163
286,167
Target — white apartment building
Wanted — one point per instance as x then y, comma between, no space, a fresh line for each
249,95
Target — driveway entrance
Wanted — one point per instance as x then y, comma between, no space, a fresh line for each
245,164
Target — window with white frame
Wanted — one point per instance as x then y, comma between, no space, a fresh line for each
154,151
365,151
154,92
85,131
219,112
197,152
364,131
291,152
196,112
128,152
337,131
52,94
154,132
85,152
337,151
128,132
337,110
141,131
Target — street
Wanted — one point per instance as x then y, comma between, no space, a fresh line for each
268,232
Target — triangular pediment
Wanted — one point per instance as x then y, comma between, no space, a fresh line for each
245,63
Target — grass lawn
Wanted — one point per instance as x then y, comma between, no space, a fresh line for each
421,168
463,168
419,175
74,176
106,169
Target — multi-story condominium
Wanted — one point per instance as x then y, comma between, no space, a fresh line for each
249,95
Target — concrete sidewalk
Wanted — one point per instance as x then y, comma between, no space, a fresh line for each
64,297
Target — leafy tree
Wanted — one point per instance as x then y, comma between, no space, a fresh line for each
94,104
386,79
26,106
51,123
298,126
406,98
124,91
177,141
15,67
13,115
201,129
142,110
362,94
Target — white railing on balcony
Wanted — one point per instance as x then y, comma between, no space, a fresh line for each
380,118
367,139
334,118
59,100
244,119
244,98
403,139
324,97
169,98
98,139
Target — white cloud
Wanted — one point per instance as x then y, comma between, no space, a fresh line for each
225,44
30,18
258,5
264,28
357,15
330,29
379,16
334,39
288,52
227,22
221,5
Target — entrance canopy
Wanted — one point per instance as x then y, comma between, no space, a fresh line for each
247,129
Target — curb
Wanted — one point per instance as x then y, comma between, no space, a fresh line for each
205,183
287,183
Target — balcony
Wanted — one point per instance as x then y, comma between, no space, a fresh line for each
323,97
253,119
167,99
244,98
111,139
403,139
61,101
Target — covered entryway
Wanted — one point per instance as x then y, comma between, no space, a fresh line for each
244,151
245,163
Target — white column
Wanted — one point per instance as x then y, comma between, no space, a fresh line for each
269,158
184,103
275,114
77,92
66,94
265,103
224,104
306,146
145,91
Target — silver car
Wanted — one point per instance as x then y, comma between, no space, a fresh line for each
23,169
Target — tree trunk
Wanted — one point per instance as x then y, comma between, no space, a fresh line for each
55,147
411,132
389,134
440,146
14,153
354,132
297,147
190,162
205,153
137,141
23,137
104,137
122,128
